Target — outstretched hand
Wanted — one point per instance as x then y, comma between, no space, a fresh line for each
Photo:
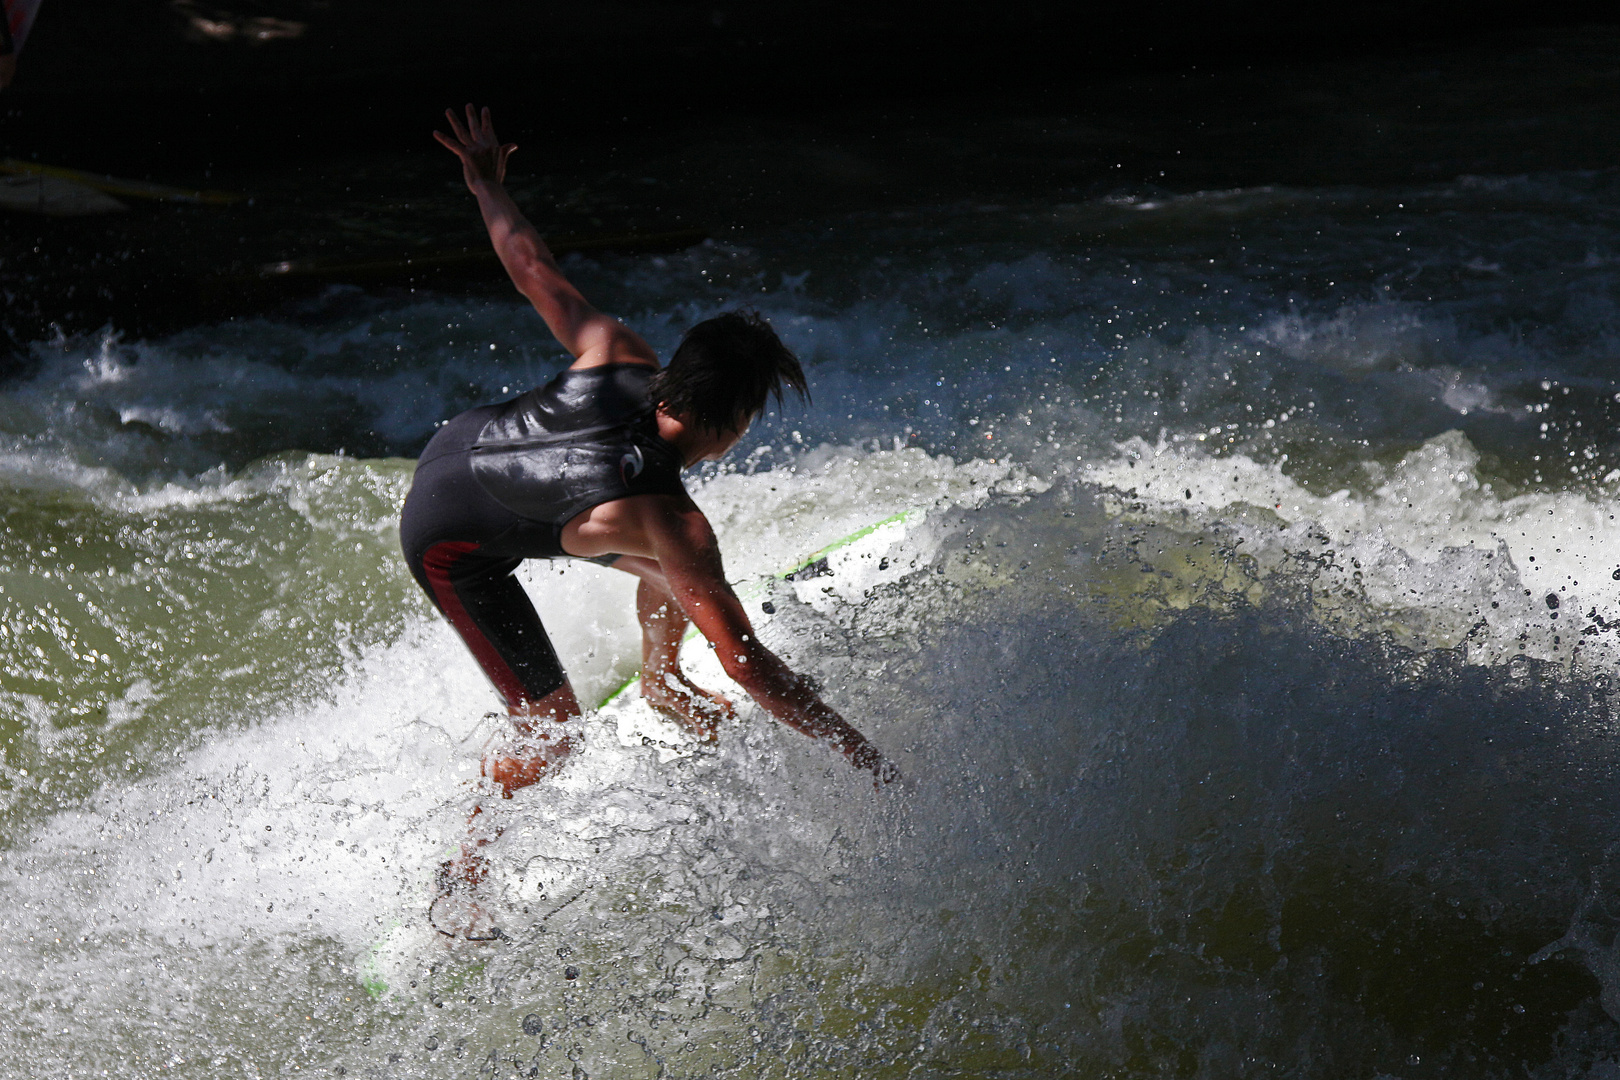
483,157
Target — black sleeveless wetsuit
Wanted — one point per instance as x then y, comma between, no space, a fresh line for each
497,484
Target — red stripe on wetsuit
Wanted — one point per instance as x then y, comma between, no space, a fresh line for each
437,562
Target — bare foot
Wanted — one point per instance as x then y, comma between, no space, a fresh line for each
455,911
689,706
526,756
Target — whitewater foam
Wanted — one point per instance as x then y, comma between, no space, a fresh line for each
1219,756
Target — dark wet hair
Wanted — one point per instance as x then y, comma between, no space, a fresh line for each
724,371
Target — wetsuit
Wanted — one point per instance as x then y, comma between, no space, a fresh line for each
497,484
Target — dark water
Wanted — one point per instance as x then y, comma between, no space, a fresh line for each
1251,668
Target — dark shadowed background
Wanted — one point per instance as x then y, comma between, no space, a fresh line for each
664,116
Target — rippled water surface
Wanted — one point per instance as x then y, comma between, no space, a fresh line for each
1251,669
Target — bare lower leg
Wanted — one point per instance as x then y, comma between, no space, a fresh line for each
558,706
663,686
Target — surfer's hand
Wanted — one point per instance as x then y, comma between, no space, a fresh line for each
483,156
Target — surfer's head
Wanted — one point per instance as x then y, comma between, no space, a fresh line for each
724,372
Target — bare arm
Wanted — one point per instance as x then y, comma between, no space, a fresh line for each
689,556
586,333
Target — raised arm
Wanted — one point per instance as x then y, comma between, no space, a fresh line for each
586,333
689,555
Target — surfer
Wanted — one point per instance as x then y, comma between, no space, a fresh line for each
588,467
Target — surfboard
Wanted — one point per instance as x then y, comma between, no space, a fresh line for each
844,571
54,197
112,185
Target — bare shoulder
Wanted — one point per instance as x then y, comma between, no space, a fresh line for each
604,340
